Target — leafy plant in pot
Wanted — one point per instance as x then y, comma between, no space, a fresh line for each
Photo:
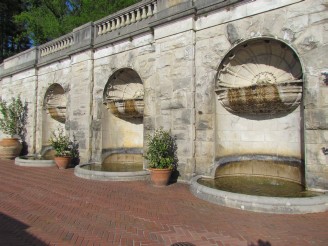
161,156
66,149
13,115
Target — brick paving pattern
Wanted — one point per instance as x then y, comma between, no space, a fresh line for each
47,206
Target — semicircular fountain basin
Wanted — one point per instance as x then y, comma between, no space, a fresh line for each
34,161
119,167
259,183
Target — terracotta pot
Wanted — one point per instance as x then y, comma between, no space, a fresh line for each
62,162
160,177
10,148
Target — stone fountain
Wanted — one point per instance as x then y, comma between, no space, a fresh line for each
259,159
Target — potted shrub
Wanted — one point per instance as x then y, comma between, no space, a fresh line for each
161,156
65,149
12,122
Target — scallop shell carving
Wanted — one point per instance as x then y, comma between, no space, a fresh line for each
260,77
55,103
125,99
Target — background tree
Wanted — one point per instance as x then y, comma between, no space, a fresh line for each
45,20
12,35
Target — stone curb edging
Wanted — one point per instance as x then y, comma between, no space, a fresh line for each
34,163
276,205
110,176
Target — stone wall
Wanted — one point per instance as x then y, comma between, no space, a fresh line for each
177,52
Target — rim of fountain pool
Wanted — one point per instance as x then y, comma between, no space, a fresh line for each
276,205
19,161
109,176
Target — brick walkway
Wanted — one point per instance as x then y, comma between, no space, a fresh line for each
47,206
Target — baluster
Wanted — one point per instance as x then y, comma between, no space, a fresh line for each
138,15
99,29
127,21
108,26
150,13
133,17
113,24
144,15
118,23
122,21
104,27
155,7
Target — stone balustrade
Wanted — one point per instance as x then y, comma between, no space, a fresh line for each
137,14
57,45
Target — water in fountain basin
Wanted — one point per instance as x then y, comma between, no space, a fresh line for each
38,158
258,186
115,167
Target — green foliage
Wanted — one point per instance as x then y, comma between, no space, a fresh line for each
12,38
63,145
161,150
13,117
45,20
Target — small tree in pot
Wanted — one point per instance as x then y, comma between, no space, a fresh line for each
13,117
161,156
65,149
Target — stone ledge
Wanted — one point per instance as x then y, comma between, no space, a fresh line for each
274,205
109,176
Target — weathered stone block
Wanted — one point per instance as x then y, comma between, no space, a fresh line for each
176,41
182,117
317,137
316,119
315,155
205,135
203,165
204,121
185,148
204,149
175,28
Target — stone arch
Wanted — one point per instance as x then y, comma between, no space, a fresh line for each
122,121
53,113
259,87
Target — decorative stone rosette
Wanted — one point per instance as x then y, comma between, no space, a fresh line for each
125,100
260,77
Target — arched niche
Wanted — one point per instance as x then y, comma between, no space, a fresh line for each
123,94
122,121
260,77
259,96
54,111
